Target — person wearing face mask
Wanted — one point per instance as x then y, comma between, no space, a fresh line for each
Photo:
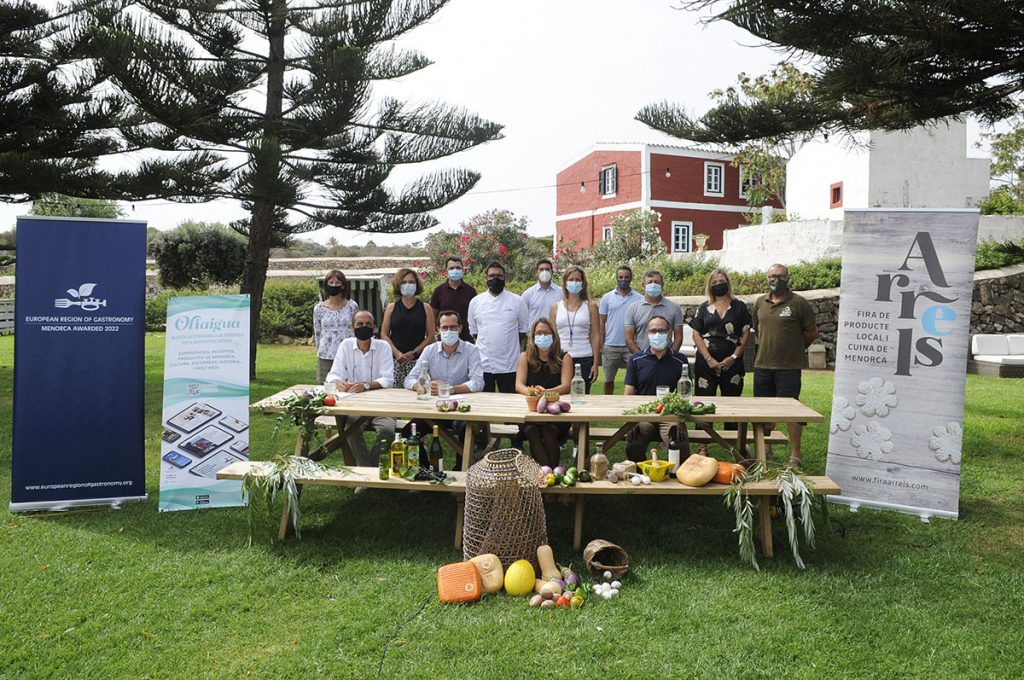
612,312
721,331
363,363
785,326
544,364
497,319
578,324
653,304
646,371
332,321
540,297
454,294
408,323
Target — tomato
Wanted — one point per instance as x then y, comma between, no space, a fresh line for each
660,408
330,401
576,602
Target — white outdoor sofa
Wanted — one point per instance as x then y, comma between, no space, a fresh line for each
997,355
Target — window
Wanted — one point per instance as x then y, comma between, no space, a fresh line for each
748,179
836,195
608,180
606,234
681,236
713,175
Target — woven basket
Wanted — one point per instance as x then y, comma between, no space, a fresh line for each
601,556
504,510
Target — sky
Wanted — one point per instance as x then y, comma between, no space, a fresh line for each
560,75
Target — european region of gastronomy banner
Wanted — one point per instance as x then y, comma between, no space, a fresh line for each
901,354
79,373
206,401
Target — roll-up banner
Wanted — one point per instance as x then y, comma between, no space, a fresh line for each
206,401
79,372
901,354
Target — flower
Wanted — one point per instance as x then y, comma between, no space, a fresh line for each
876,397
946,443
871,441
842,414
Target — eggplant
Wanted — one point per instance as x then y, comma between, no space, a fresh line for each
542,405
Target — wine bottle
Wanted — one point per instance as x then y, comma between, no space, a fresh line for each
436,453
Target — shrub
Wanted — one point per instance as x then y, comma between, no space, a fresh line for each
815,275
288,309
493,236
634,241
198,254
1001,201
993,255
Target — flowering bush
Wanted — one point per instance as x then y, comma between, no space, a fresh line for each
634,240
493,236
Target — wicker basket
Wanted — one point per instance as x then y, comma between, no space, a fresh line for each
601,556
504,510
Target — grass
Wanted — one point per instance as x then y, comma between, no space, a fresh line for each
134,593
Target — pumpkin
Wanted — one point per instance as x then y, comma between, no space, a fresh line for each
546,560
519,578
492,575
697,470
727,472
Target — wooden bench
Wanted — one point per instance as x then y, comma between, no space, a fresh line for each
368,477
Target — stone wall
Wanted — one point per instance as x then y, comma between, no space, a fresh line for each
997,306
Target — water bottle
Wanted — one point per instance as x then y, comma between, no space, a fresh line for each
577,388
685,386
424,382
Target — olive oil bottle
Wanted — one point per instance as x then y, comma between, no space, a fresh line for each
397,455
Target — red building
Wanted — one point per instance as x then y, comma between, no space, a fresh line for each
696,191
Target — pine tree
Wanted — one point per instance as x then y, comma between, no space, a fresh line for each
278,94
885,64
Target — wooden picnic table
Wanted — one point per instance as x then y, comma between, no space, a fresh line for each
759,413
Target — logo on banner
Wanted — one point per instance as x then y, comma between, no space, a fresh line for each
82,299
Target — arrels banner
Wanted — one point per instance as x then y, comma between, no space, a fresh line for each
896,433
79,372
205,420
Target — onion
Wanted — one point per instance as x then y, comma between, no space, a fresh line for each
545,470
559,470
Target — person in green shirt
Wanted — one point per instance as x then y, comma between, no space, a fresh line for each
785,326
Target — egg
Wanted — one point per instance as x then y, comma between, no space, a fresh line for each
635,481
607,575
616,585
607,595
645,479
613,592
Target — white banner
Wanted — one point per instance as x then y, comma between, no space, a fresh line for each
901,354
206,400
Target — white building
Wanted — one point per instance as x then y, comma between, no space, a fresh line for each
929,167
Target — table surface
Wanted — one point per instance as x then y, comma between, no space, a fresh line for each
511,408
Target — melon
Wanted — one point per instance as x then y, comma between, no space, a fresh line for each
519,578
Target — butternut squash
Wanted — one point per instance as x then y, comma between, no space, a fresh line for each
546,560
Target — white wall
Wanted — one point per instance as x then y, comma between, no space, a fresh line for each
819,164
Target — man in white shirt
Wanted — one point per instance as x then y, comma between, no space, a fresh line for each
541,296
498,319
364,363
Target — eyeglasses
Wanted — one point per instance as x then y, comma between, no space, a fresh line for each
657,330
449,328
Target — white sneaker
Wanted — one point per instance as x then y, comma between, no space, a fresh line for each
359,489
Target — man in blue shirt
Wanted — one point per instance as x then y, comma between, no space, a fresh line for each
614,353
541,296
646,371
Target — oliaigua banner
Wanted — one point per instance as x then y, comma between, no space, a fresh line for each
205,418
896,434
79,373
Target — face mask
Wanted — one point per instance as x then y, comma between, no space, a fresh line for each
659,340
496,286
719,289
449,337
363,332
543,341
653,290
624,284
778,286
544,277
333,290
574,287
455,274
407,289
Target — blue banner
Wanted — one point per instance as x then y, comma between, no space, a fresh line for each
79,372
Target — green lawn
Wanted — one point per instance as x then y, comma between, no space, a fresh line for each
133,593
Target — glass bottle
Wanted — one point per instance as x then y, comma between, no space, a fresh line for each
685,386
578,387
424,382
673,450
397,455
412,449
599,464
436,453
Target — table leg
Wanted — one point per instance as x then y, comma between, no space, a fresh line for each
577,533
760,447
741,441
766,526
460,512
582,442
286,528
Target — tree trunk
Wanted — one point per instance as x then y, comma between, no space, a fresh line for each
267,168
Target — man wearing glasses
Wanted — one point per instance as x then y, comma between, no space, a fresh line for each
785,326
498,319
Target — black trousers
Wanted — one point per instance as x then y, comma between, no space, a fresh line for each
504,382
707,381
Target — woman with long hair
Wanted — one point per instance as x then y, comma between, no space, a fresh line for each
543,364
721,332
578,323
332,321
408,324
